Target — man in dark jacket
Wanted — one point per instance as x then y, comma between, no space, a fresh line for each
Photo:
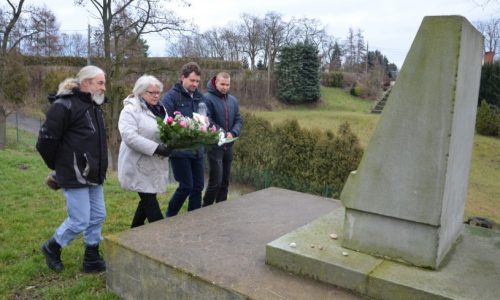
187,165
72,141
225,115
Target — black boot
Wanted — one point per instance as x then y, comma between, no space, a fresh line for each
52,252
92,261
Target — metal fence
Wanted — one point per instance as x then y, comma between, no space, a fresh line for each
22,129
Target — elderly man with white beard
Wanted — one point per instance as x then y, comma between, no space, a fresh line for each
72,141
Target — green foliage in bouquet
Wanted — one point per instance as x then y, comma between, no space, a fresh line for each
182,132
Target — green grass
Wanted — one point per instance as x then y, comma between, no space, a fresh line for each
336,107
483,195
30,213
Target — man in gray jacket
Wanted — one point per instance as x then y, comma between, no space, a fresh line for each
224,113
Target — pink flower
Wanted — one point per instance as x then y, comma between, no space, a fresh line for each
213,129
203,128
183,124
169,120
177,112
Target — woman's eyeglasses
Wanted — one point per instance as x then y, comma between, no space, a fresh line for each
153,93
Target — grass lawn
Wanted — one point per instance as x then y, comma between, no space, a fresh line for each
335,108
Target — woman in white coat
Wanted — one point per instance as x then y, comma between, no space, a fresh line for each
142,161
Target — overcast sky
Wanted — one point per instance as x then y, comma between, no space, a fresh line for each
387,25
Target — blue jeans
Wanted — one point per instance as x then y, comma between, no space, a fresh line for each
86,213
190,175
219,162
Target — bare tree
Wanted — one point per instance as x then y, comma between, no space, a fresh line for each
491,31
190,45
330,53
46,40
361,61
74,45
277,33
251,33
215,43
311,31
124,23
233,42
350,51
13,79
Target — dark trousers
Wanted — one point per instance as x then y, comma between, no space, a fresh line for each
148,208
189,173
219,163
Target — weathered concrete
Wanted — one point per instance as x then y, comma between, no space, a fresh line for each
217,252
406,201
472,273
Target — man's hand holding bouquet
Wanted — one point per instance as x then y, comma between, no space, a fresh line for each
180,132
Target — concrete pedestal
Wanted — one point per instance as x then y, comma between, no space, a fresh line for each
473,272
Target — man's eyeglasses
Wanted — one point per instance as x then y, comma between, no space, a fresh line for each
153,93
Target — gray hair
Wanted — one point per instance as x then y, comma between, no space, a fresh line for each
88,72
143,83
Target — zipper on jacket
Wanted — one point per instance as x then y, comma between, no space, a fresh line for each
95,107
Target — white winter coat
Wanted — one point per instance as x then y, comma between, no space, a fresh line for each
139,169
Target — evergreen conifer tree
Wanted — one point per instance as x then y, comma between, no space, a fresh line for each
297,74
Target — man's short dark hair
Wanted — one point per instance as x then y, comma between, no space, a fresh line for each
189,68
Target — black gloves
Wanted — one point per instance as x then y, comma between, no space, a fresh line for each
163,150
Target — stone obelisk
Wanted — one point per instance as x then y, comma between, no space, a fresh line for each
406,200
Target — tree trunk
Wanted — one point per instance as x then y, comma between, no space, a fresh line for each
3,128
114,135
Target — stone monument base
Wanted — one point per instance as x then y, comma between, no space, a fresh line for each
217,252
470,271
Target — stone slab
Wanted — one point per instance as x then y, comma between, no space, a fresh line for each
472,271
217,252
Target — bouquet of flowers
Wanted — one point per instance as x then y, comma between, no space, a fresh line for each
180,132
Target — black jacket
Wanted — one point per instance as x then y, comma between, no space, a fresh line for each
178,99
72,140
223,110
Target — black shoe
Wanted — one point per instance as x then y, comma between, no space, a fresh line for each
52,252
92,261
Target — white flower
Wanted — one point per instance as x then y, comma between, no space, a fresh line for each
199,119
222,138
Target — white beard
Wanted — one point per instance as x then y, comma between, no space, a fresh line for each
98,98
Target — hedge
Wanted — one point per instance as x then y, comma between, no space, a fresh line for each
291,157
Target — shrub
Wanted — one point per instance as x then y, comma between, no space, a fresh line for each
487,119
291,157
14,78
360,90
349,80
52,79
251,151
332,79
334,158
292,160
50,84
489,88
